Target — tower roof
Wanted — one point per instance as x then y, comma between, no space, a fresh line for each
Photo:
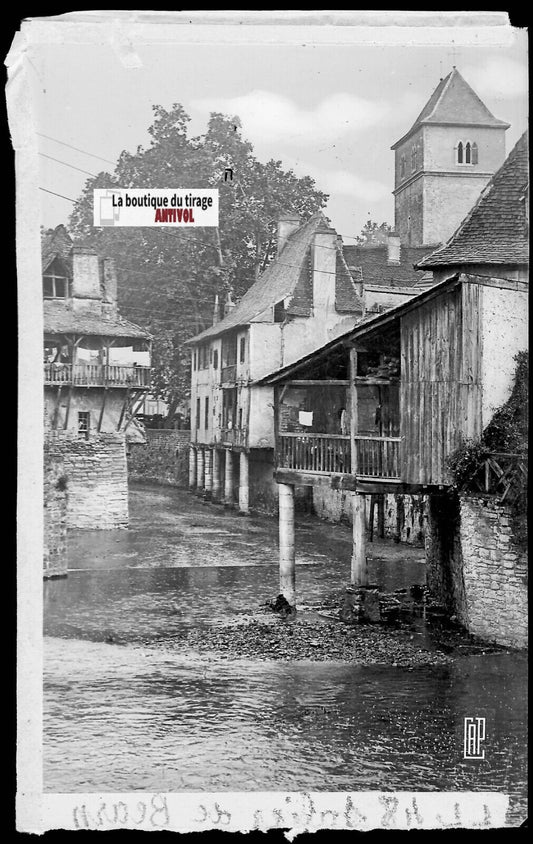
454,102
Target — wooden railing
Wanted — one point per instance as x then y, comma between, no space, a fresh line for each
96,375
501,474
378,457
314,452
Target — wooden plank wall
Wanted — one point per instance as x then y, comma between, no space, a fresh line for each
440,396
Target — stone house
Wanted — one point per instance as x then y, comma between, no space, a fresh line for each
415,382
96,370
306,296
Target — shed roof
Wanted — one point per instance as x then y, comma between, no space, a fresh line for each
59,318
496,229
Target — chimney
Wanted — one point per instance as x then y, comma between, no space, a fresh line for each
216,311
324,264
287,224
85,273
393,248
110,281
229,304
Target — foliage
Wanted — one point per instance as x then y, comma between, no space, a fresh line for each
508,429
373,234
168,277
466,460
507,432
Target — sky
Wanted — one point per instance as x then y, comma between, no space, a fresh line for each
331,112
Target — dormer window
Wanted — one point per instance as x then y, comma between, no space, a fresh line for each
279,311
55,282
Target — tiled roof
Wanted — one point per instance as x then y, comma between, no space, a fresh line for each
56,243
60,318
453,102
375,268
288,276
495,231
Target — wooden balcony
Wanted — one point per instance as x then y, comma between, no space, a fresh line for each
378,458
234,436
96,375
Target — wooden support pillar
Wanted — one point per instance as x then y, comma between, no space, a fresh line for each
244,494
359,567
192,467
200,470
354,422
56,408
287,547
208,467
228,479
217,485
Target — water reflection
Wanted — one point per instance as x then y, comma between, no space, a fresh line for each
125,712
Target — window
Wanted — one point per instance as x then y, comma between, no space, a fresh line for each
468,153
413,159
460,152
84,423
198,411
55,286
215,359
206,415
242,350
203,357
194,361
240,418
474,153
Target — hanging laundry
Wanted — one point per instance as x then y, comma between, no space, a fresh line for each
305,417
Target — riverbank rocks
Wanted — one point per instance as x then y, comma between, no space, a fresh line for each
281,606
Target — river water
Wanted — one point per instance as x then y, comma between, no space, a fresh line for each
125,709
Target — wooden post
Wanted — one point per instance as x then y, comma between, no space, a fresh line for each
192,467
200,470
244,495
208,467
228,479
217,486
287,548
354,425
101,417
56,409
359,568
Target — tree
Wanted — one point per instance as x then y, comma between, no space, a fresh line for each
168,277
372,234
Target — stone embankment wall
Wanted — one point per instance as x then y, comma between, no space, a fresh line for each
477,569
404,515
54,517
164,459
96,477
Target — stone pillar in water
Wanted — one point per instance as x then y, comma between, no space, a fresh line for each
208,482
217,486
244,495
192,467
287,548
200,470
228,479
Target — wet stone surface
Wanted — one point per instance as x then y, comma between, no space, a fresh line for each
165,671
